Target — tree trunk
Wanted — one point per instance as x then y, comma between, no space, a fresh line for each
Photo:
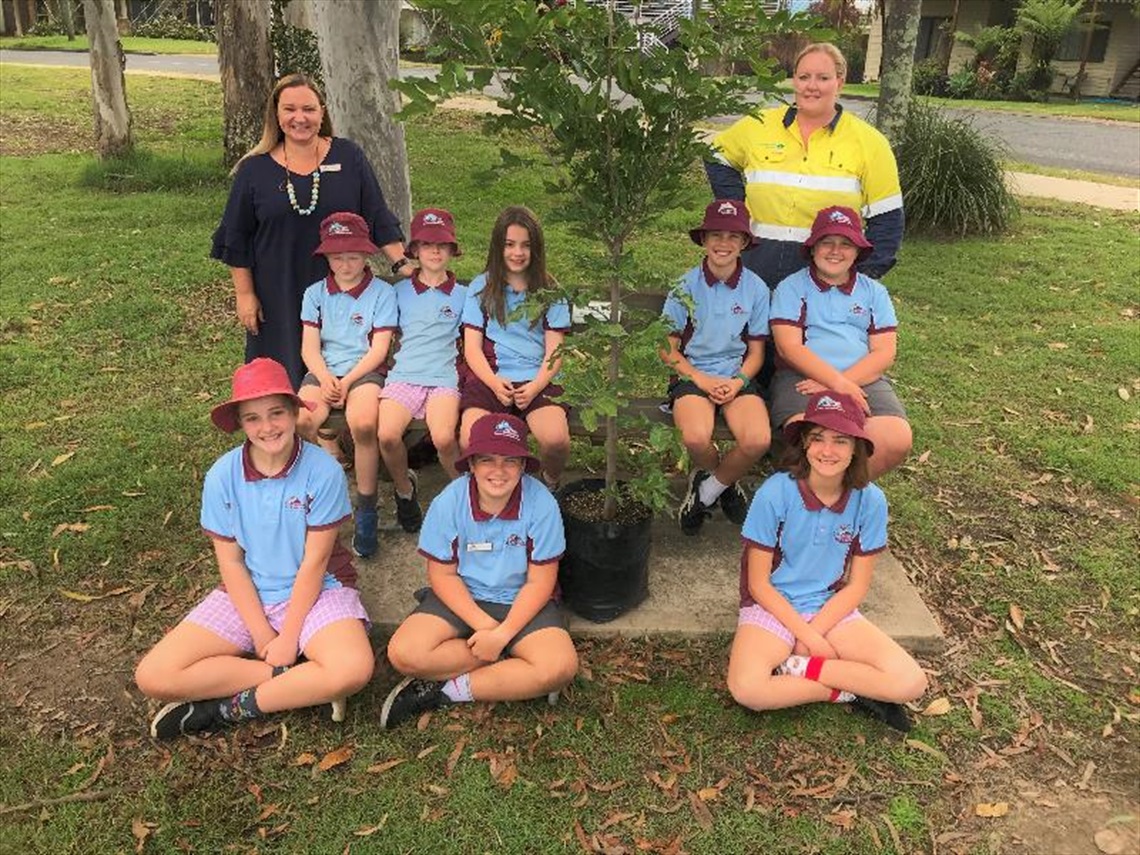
359,46
245,60
946,39
123,17
67,18
17,20
108,86
3,21
900,33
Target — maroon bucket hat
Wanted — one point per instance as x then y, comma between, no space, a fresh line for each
496,433
725,215
345,231
835,411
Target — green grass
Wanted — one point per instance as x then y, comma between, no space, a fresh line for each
131,44
1118,111
1073,174
116,335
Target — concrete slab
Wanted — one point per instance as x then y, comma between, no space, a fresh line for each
693,584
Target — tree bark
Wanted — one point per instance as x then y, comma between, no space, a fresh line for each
946,39
67,18
108,86
359,46
245,59
123,17
900,33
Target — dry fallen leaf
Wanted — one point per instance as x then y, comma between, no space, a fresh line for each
305,759
939,706
707,794
63,458
336,757
377,768
90,598
141,830
1017,616
1111,841
77,527
991,809
1123,393
1057,345
919,745
369,830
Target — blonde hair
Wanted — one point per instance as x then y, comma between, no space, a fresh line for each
830,50
271,133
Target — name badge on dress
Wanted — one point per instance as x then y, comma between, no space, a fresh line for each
482,546
330,167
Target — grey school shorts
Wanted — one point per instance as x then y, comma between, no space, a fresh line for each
787,402
551,615
375,377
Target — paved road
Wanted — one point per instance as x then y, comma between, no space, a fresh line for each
1108,147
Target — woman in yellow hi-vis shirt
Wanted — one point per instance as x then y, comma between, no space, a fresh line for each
788,163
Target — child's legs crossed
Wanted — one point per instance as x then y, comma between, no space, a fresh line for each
871,663
747,418
539,663
552,432
755,652
429,647
695,417
361,410
309,420
339,662
193,662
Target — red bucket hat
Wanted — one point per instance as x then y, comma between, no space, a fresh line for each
257,379
496,433
841,221
832,410
345,231
725,215
433,225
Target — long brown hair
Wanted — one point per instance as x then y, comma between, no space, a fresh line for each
795,461
271,133
493,300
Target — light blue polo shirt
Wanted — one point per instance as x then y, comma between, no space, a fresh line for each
811,541
347,320
728,314
515,350
837,320
429,332
269,517
493,553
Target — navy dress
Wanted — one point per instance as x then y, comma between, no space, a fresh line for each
261,231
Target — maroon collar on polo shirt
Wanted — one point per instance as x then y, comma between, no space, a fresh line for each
509,512
812,502
823,286
250,473
365,281
733,279
447,287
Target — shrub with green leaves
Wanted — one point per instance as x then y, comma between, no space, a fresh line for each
928,78
952,176
168,26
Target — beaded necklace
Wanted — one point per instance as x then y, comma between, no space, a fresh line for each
316,175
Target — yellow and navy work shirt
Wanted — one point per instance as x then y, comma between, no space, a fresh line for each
847,162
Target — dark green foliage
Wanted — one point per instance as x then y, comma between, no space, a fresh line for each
294,49
951,175
929,79
961,84
172,27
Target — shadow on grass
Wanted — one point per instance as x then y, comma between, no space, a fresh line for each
144,171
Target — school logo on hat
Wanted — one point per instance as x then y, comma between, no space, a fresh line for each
345,231
433,225
505,430
724,215
837,216
727,208
338,228
826,402
431,218
840,221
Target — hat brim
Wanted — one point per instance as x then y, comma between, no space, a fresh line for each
414,246
346,244
697,236
224,415
793,431
531,463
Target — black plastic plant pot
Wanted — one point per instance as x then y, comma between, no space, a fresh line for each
605,571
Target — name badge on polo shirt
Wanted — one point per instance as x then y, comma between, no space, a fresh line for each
330,167
483,546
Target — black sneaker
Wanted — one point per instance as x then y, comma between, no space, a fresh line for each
890,714
734,502
692,513
365,537
411,697
408,513
183,718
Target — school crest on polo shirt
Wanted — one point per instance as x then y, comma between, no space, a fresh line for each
515,540
357,319
858,310
297,503
738,309
844,533
447,313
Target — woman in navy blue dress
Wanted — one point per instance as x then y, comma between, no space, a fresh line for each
298,174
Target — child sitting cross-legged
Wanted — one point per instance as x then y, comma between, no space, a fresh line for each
272,508
487,628
811,539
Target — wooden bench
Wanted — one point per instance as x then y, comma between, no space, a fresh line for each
650,408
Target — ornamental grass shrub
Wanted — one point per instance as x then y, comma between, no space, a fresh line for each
952,176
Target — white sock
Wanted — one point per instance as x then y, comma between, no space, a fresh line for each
458,689
794,666
843,698
710,490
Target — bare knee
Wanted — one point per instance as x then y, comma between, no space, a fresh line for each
152,678
696,441
912,683
353,670
747,688
445,443
558,447
390,439
405,657
558,671
753,446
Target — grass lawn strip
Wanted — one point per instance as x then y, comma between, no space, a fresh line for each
1016,516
